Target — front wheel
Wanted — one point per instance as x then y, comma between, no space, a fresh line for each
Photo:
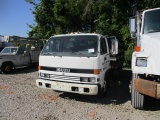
7,68
137,99
103,91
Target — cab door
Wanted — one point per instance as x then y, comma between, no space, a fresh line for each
104,57
23,57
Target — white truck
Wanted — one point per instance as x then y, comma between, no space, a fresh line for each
77,63
13,57
145,27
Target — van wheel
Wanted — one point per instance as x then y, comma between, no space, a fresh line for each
7,68
137,99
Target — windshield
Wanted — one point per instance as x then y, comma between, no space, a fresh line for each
9,51
79,45
152,21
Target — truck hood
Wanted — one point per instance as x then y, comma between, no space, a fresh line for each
150,44
151,36
68,62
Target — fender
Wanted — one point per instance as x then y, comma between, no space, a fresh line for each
141,54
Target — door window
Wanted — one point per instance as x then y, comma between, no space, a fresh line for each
103,47
20,51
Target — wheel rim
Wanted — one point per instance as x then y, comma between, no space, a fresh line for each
8,68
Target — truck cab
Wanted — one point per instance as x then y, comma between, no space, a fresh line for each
76,63
22,52
145,27
12,57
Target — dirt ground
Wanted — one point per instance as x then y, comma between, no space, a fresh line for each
21,99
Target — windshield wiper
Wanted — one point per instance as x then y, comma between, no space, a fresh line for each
152,31
82,55
48,53
52,54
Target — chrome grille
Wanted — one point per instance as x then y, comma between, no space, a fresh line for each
64,78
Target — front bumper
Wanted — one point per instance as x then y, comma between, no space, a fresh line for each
87,89
146,87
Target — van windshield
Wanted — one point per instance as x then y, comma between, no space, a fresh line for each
79,45
152,21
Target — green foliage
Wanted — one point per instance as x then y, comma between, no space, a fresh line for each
107,17
147,4
128,53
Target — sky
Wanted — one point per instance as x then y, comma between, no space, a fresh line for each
14,17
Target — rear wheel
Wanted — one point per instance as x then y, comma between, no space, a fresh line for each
137,99
7,68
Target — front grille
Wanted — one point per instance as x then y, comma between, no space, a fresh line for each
64,78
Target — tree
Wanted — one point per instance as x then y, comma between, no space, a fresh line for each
68,15
107,17
43,13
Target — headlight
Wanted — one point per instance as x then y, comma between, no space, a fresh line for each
44,75
141,62
41,74
91,79
88,79
84,79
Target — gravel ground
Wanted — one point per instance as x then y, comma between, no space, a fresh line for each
21,99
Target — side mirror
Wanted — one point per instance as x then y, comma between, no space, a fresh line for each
25,52
132,26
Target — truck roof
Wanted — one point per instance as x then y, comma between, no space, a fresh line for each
146,10
76,34
151,9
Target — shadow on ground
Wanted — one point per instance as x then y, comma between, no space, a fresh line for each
118,93
152,104
25,70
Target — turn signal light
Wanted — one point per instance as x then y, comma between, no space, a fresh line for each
137,48
39,67
96,71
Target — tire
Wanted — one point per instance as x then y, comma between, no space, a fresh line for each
115,74
102,92
7,68
137,99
